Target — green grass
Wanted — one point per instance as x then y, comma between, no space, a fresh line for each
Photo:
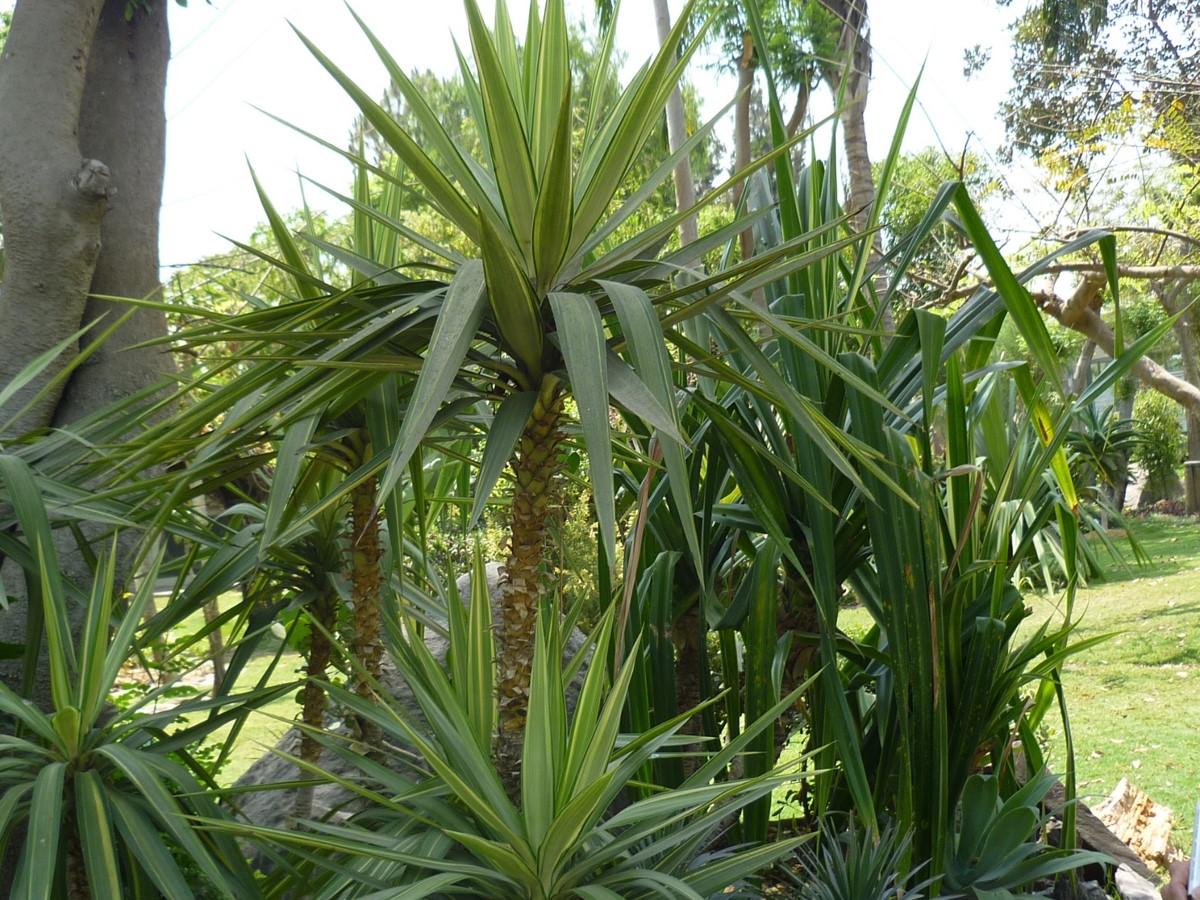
1134,701
263,727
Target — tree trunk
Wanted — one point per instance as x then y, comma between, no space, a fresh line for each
741,133
1082,376
1080,316
81,101
51,196
1186,332
685,188
848,78
366,592
216,645
535,466
1124,406
323,623
123,123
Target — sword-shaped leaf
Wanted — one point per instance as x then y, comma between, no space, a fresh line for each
552,224
440,190
452,335
581,339
457,165
502,437
643,335
550,79
514,306
504,130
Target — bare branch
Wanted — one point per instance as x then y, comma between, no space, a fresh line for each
1087,322
1139,229
1157,273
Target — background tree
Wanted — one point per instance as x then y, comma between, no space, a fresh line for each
76,80
1086,73
809,41
941,262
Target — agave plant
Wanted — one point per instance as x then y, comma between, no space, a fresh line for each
996,853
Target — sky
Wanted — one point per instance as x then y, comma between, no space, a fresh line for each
237,63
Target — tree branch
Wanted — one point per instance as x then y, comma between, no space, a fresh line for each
1157,273
1077,314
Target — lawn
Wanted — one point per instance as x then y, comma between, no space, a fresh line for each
1134,701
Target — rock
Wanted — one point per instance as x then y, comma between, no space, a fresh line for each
1133,886
1093,834
272,807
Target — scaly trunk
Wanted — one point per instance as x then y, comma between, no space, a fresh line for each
535,466
323,613
78,887
216,645
366,580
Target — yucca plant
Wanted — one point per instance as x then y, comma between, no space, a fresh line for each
459,833
552,308
105,795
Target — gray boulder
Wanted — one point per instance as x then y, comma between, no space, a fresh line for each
264,805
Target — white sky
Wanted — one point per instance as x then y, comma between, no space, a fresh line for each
230,56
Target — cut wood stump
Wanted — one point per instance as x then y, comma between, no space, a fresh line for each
1141,823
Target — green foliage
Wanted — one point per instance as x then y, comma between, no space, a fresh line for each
1102,445
1141,315
1081,83
459,832
996,853
945,252
857,865
1160,445
105,796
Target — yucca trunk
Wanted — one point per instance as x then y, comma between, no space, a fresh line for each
797,616
535,467
366,581
78,887
323,615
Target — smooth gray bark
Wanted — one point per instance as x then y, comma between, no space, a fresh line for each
685,188
1080,316
52,197
78,82
122,122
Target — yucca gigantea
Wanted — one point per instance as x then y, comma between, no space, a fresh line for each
549,306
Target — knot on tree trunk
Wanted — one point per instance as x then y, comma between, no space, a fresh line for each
91,181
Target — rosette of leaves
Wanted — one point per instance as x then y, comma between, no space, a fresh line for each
459,833
996,853
104,795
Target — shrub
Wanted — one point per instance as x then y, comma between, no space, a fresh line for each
1160,445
